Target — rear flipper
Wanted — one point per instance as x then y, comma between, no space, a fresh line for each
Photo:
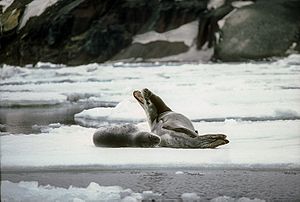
209,141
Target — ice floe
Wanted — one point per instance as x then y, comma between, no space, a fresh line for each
230,199
127,111
32,191
252,144
255,104
190,197
211,90
31,99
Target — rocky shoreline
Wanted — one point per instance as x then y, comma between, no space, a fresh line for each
85,31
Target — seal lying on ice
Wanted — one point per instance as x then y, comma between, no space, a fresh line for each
174,129
126,135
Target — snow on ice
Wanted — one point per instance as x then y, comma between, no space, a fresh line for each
263,90
255,104
127,110
32,191
265,144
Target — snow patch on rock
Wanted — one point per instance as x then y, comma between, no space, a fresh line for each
5,4
240,4
189,31
214,4
35,8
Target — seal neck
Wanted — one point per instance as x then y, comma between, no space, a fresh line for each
161,107
161,115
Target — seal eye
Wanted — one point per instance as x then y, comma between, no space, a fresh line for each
146,93
148,103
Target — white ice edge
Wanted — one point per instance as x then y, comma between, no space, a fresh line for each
32,191
252,144
130,111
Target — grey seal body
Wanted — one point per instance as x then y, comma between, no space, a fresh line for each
127,135
174,129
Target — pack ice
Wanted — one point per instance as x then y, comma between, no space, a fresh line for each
255,104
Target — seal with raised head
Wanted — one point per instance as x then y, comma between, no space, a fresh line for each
126,135
174,129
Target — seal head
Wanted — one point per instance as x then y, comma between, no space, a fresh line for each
146,139
152,104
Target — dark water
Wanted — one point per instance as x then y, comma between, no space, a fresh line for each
24,120
271,185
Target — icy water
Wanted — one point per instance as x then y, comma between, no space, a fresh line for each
32,119
49,113
207,184
28,120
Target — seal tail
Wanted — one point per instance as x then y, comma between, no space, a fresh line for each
209,141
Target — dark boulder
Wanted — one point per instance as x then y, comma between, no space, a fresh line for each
208,25
104,42
75,32
172,14
151,50
261,30
82,31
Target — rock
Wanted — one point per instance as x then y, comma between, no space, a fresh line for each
10,20
105,42
76,32
208,25
171,14
156,49
261,30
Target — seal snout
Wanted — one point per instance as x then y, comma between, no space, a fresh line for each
142,96
138,96
146,139
155,139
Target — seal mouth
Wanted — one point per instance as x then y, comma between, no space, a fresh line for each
138,96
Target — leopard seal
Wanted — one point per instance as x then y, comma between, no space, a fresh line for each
174,129
126,135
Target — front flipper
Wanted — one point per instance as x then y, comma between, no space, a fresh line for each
180,129
209,141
